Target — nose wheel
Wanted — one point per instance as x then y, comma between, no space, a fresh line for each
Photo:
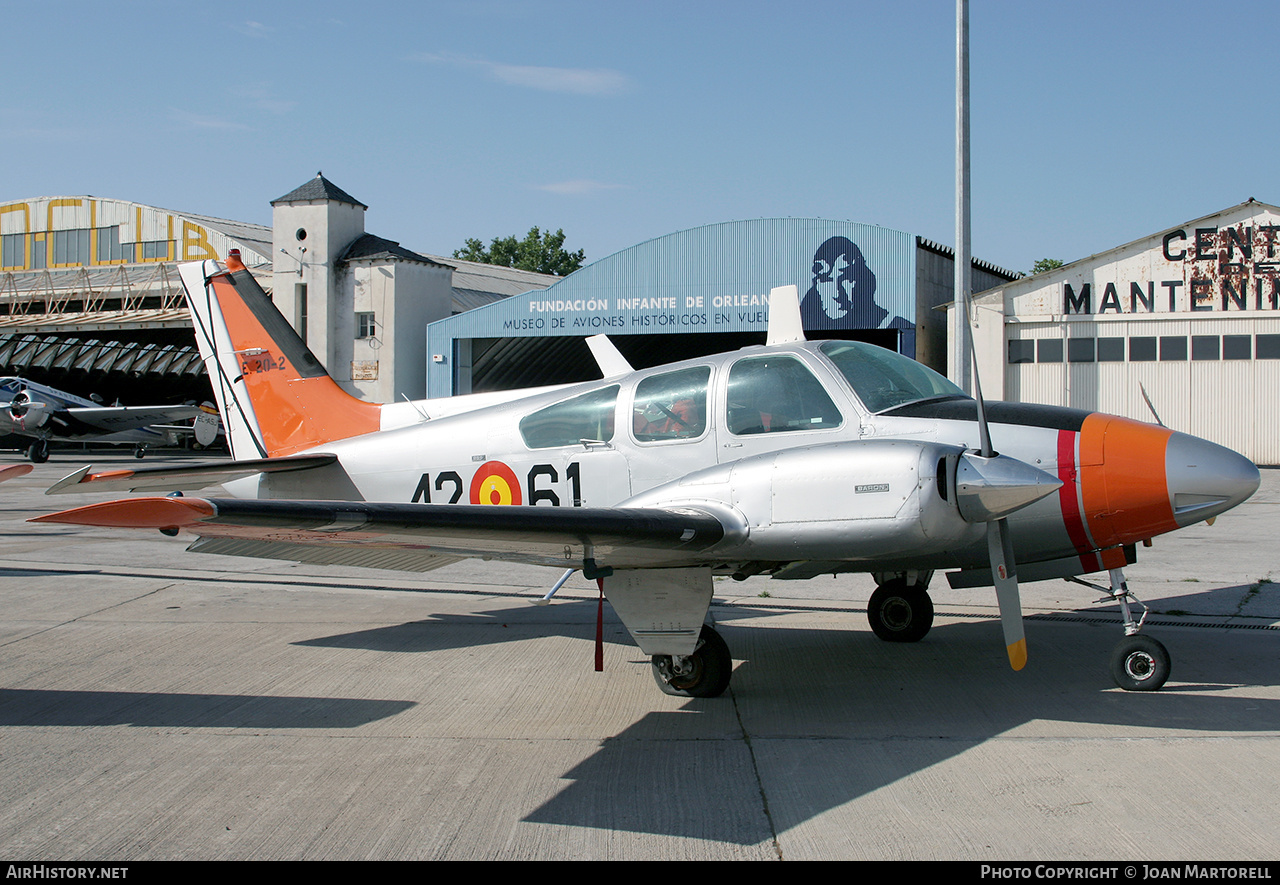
1138,662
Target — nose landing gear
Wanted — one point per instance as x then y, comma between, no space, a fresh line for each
1138,662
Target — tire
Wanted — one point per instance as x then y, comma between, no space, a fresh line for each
712,666
38,452
899,612
1140,663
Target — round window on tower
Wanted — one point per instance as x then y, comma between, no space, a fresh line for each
301,234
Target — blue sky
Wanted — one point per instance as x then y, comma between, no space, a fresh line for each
1094,123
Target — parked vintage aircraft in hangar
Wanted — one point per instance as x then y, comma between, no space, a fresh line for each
44,414
793,459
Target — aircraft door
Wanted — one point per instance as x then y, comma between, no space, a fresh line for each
669,427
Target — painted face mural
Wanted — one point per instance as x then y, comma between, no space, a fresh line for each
842,291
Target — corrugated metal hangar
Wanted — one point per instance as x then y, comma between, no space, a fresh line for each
1180,327
703,291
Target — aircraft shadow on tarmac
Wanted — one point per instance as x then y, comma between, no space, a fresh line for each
846,714
48,707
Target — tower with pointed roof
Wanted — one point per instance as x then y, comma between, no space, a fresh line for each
360,302
311,226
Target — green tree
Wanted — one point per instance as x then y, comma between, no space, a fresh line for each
1045,264
539,252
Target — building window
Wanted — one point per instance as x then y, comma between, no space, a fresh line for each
1080,350
1049,350
1237,347
13,250
1268,347
1111,350
1173,349
1022,352
1204,347
365,326
1142,350
300,310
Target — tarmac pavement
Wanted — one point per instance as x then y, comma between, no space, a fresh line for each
156,704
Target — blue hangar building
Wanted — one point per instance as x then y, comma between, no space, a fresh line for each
706,290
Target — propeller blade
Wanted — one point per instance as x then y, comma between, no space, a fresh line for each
1004,572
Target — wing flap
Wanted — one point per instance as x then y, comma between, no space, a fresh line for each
187,477
622,537
395,558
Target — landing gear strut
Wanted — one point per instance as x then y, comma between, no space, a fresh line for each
1138,662
703,674
900,610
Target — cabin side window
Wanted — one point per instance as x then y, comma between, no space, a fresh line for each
777,394
672,405
568,423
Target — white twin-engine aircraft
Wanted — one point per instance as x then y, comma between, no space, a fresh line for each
793,459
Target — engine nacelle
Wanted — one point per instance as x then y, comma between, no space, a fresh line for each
853,500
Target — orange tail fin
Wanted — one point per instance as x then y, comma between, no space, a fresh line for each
275,397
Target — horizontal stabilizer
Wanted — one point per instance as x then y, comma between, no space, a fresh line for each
187,477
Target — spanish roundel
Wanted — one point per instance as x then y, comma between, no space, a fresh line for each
495,483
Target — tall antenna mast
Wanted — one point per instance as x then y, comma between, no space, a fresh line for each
966,357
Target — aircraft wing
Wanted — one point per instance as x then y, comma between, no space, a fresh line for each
186,477
417,537
115,419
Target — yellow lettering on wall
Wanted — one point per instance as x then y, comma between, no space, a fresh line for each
195,243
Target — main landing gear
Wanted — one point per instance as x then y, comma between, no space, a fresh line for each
703,674
1138,662
38,451
900,609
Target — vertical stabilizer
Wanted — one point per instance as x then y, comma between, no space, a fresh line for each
275,397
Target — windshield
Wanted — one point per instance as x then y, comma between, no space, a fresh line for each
883,379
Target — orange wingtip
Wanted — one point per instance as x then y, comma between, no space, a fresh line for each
135,513
13,471
1017,654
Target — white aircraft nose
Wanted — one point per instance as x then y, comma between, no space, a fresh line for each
1205,479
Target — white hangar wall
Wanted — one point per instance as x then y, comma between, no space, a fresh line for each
1190,316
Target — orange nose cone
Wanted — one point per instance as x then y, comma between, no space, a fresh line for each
1123,480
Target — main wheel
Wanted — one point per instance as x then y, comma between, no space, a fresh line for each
38,451
703,674
1140,663
900,612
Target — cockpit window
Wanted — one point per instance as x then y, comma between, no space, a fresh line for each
672,405
777,394
883,379
568,423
